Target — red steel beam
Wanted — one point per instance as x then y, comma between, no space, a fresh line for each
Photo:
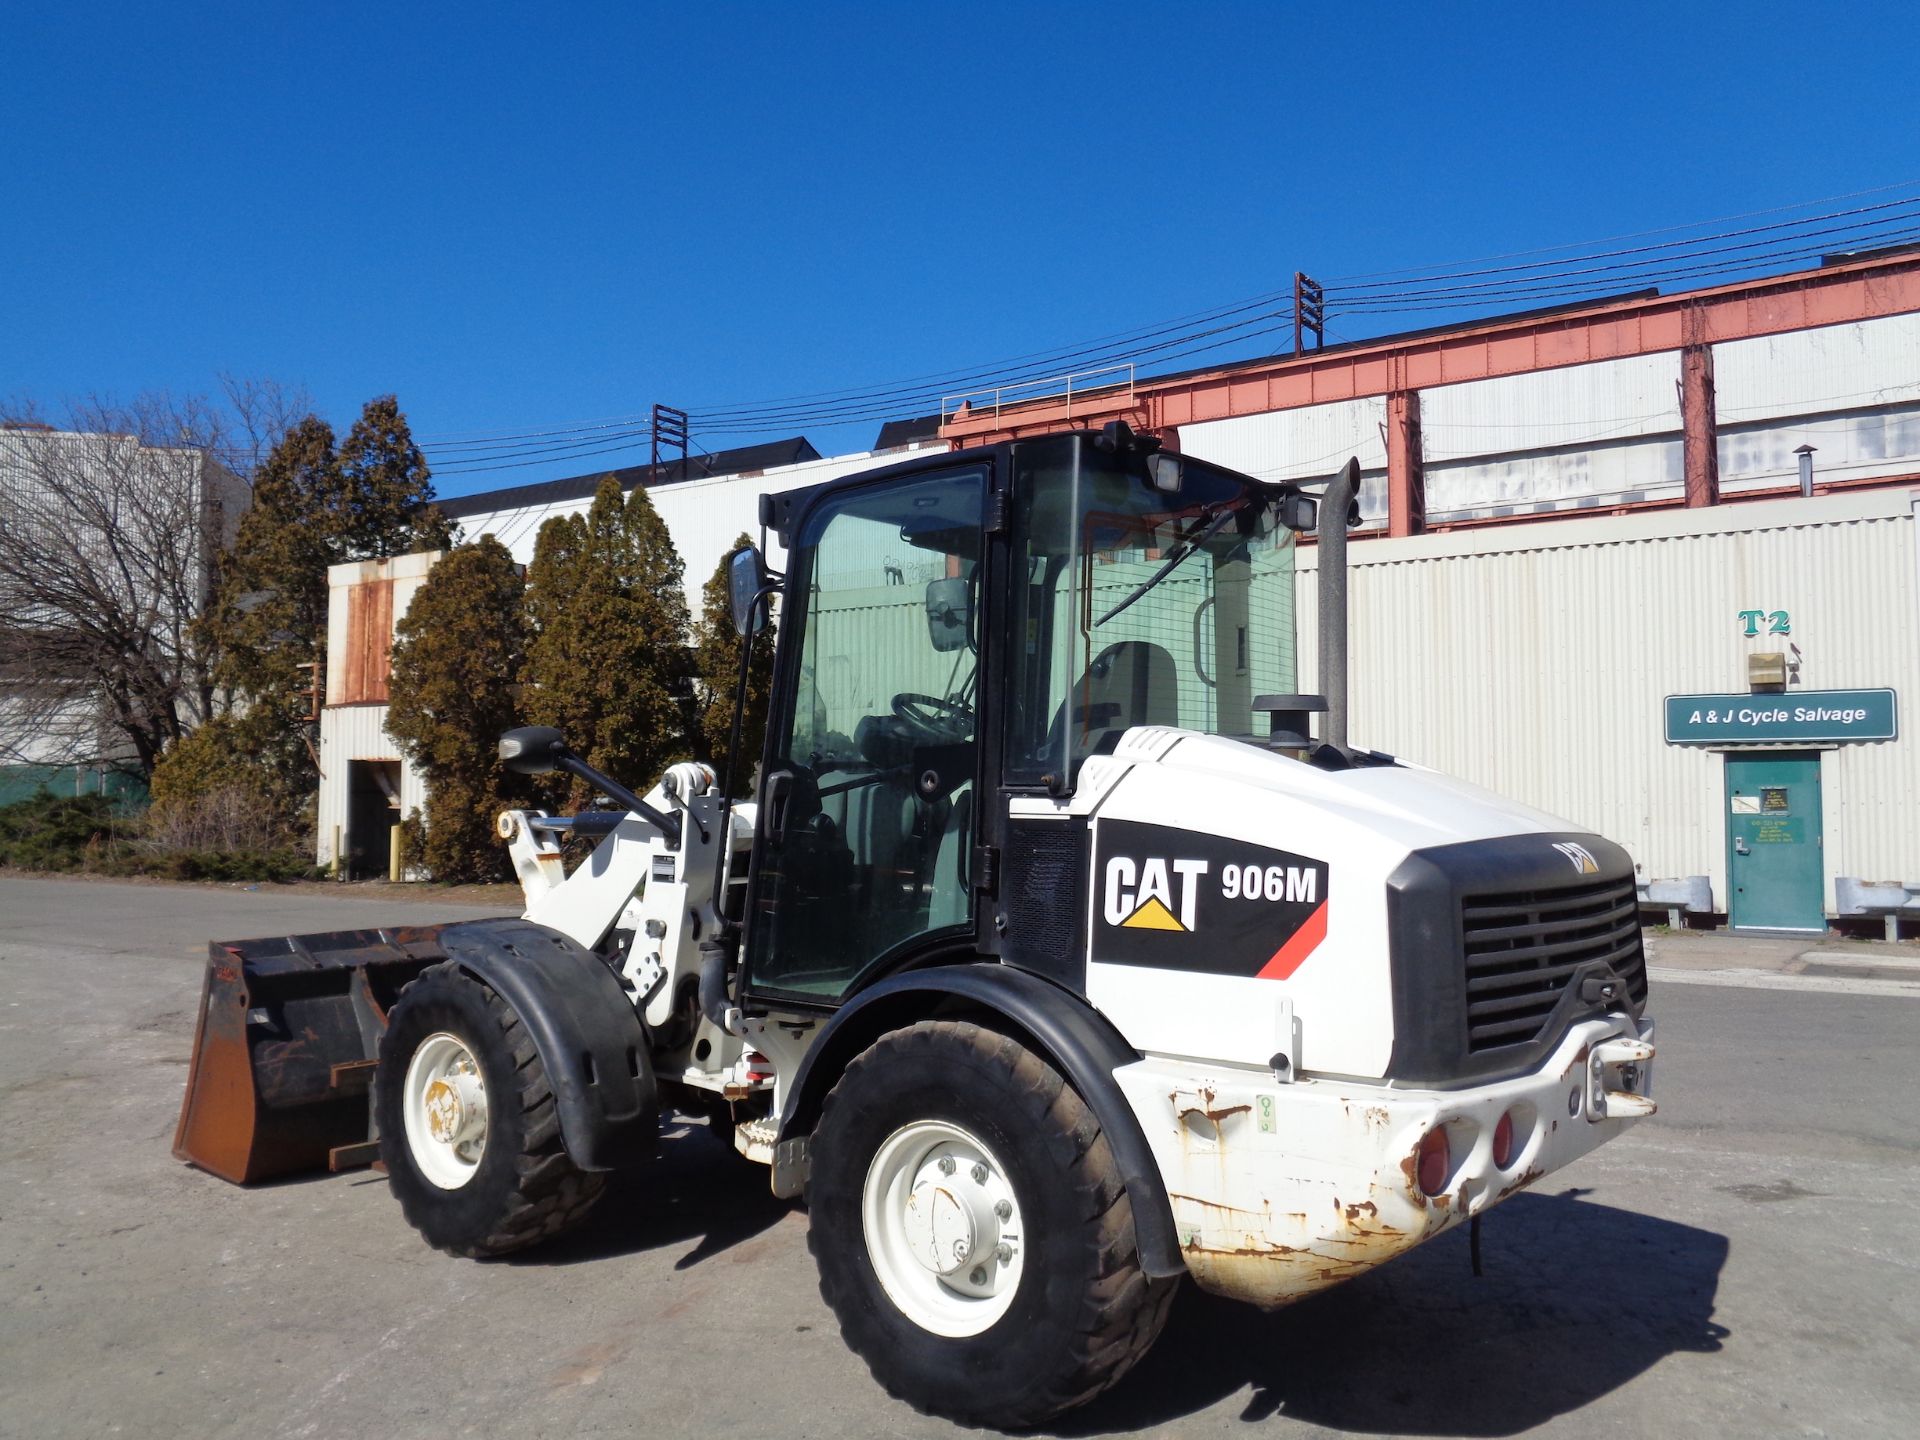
1834,295
1699,430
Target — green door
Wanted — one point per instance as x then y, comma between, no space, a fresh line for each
1773,842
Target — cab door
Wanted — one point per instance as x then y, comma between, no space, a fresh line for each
867,800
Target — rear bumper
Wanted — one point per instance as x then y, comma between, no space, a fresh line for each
1282,1190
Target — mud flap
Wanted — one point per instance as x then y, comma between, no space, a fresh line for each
284,1050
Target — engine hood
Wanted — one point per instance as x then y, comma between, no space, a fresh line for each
1241,900
1416,806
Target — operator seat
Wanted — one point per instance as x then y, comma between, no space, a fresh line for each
1131,682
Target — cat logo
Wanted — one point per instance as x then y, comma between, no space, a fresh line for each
1143,895
1579,857
1262,911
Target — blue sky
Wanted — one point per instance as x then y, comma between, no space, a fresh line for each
516,221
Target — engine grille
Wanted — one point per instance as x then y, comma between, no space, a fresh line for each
1523,950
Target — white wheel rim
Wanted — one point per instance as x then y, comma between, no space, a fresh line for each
943,1228
444,1108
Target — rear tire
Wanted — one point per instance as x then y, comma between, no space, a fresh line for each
496,1177
1042,1314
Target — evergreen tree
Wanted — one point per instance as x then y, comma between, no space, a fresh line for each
382,499
457,661
313,506
269,617
608,664
717,661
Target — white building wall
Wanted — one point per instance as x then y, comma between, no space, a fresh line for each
1850,391
1534,660
1606,434
1310,443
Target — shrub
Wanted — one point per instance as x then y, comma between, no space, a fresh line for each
56,832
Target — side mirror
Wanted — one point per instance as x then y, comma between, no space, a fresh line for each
1165,471
532,749
746,591
949,613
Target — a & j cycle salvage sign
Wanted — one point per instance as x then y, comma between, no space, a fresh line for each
1800,715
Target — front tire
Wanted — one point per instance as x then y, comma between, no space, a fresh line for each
973,1231
469,1131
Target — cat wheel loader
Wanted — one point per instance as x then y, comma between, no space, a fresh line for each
1054,960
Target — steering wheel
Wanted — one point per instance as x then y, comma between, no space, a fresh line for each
933,719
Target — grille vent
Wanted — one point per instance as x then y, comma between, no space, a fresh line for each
1524,949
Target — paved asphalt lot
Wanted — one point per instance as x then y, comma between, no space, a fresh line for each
1747,1264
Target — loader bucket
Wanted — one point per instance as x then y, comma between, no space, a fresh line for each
285,1046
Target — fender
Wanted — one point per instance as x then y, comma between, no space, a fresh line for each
1079,1041
584,1027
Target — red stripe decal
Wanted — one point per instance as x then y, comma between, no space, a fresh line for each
1290,956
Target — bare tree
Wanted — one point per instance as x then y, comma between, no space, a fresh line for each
111,527
262,412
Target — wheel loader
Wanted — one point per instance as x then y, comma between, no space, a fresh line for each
1054,960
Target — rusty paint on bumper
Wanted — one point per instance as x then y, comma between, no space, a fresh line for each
1329,1190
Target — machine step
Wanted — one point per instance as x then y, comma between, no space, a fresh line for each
754,1138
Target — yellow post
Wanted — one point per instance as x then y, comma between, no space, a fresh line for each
393,854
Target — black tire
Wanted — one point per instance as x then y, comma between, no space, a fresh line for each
526,1188
1083,1313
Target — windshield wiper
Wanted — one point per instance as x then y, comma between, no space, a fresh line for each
1193,540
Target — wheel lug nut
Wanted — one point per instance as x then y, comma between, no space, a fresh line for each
1003,1209
946,1164
979,1174
1003,1252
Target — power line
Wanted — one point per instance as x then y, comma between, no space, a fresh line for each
1636,234
1579,271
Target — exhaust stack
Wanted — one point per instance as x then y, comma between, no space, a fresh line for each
1338,507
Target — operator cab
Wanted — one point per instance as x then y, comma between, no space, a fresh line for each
961,632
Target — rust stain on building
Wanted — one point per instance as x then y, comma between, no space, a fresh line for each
365,666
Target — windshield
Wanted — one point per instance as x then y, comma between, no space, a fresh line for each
1140,607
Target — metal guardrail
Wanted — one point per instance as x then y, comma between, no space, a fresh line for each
1026,390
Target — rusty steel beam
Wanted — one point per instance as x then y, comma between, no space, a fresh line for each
1699,433
1406,465
1481,350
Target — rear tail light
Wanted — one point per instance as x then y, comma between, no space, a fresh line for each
1503,1141
758,1066
1434,1161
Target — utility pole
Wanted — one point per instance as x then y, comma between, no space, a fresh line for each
669,425
1309,311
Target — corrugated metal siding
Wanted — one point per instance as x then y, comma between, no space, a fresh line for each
1534,661
1552,409
356,732
1587,435
1306,444
1590,477
1859,446
1832,367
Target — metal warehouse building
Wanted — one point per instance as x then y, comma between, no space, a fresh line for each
1651,563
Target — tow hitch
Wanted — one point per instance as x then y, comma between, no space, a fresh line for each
1618,1077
